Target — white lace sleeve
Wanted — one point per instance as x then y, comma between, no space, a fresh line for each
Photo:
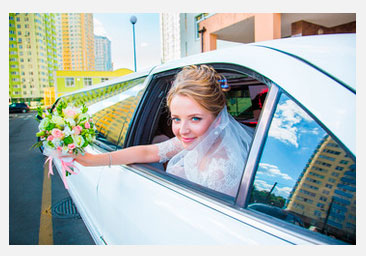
168,149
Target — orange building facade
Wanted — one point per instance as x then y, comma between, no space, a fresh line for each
255,27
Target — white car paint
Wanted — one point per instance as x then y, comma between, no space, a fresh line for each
129,205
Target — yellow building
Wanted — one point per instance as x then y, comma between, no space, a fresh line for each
75,41
32,55
69,81
49,96
325,194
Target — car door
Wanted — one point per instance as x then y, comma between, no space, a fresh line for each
141,204
112,107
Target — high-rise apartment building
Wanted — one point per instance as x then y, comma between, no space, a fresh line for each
170,36
75,41
32,55
325,193
103,58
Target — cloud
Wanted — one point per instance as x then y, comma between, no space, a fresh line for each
261,185
284,126
284,191
272,171
99,28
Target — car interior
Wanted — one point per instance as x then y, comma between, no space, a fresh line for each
245,98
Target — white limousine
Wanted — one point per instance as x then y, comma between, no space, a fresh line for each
299,181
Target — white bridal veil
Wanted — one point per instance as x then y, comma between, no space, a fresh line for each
215,161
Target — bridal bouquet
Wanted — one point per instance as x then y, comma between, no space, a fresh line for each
65,131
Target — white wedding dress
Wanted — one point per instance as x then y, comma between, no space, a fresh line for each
215,161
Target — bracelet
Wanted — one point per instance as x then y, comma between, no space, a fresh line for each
110,160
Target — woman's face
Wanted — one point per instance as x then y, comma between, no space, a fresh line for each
189,120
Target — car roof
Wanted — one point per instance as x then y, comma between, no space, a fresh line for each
329,53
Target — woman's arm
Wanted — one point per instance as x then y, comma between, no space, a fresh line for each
135,154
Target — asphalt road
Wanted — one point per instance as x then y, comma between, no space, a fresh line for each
26,187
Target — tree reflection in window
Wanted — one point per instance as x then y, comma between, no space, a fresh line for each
298,163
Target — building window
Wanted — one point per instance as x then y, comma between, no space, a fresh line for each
197,20
88,81
70,82
103,79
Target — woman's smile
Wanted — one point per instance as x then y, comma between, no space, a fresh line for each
189,120
187,140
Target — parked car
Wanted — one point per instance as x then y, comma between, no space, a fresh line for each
277,212
302,157
18,108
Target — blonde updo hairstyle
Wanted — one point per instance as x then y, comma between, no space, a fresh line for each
201,83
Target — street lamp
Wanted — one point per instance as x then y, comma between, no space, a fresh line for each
133,20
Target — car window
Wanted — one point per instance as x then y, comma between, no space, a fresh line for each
245,95
112,121
244,103
304,176
115,104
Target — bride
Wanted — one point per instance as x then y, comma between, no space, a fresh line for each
209,148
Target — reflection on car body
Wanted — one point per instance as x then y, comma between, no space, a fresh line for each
301,163
277,212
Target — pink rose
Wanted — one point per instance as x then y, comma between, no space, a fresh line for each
87,125
69,112
59,148
50,137
71,146
57,133
77,129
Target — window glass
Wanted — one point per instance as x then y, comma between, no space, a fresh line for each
70,82
115,105
88,81
245,98
305,177
197,20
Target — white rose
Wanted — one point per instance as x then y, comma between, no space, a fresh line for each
67,131
44,123
78,140
56,142
46,145
70,121
58,120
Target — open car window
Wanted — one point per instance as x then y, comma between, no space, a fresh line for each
245,99
112,108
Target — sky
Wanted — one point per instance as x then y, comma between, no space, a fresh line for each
118,29
291,141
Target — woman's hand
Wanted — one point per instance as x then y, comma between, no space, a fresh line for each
84,159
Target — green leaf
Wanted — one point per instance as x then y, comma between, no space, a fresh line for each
84,109
86,143
40,134
37,145
50,126
68,140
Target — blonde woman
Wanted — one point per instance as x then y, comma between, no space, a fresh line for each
209,148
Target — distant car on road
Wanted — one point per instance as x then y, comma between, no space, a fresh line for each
18,108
